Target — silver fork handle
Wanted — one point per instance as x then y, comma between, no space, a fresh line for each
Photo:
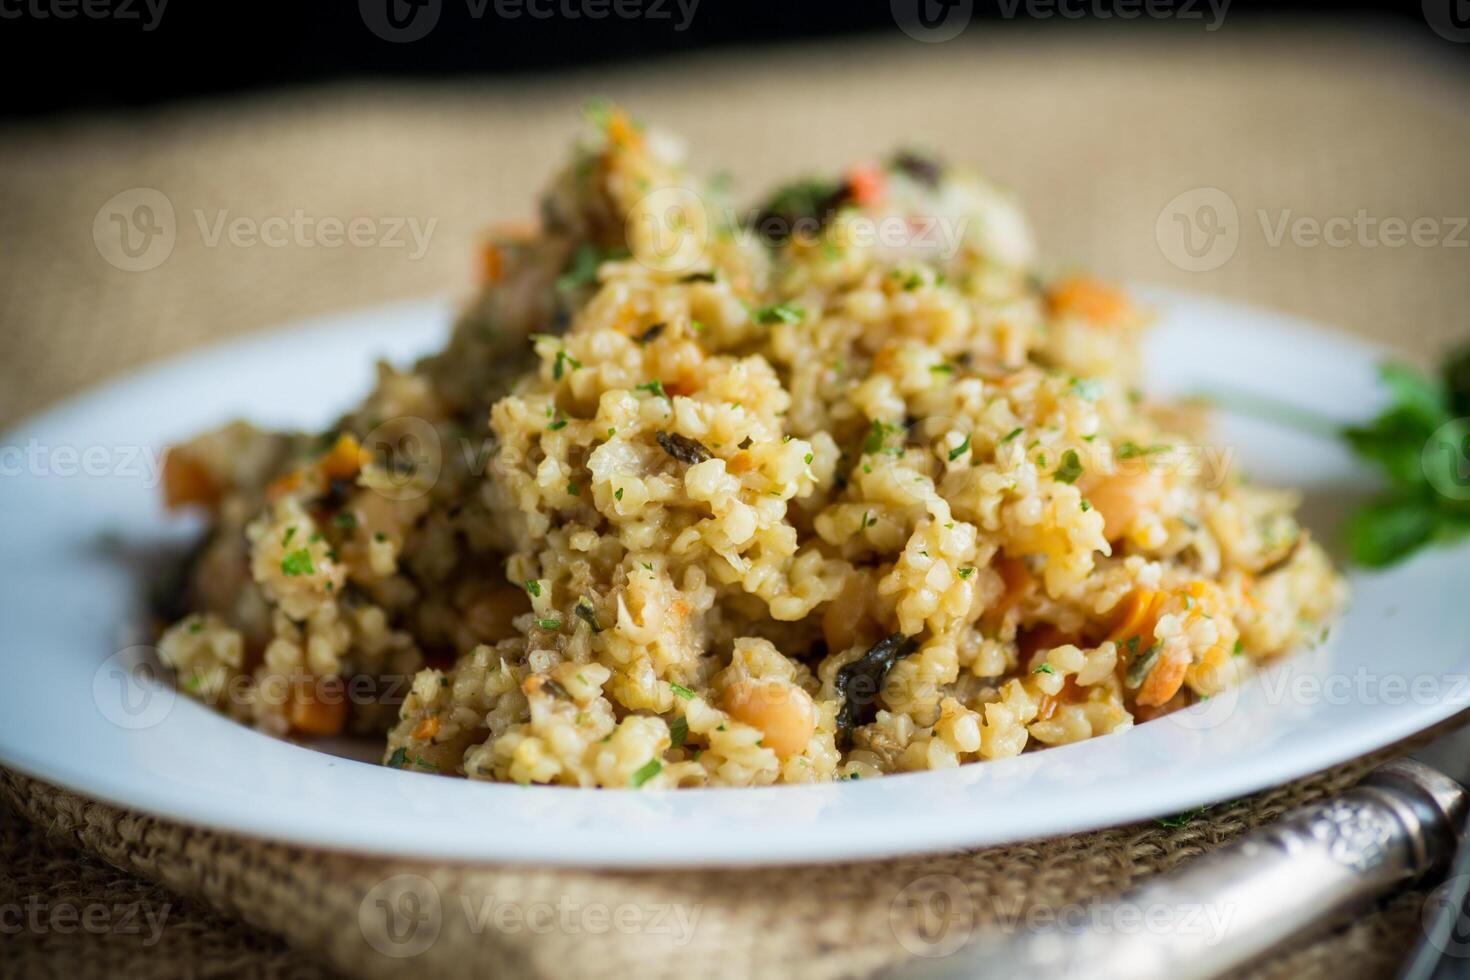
1229,907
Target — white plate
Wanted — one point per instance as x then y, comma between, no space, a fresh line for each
71,714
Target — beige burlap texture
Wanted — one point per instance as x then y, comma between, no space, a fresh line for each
1100,131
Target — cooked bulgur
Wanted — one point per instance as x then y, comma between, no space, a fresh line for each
841,487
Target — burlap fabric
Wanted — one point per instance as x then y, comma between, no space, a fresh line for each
1098,130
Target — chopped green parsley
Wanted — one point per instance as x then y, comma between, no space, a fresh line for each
650,769
297,563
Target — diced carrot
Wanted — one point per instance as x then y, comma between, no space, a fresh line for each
684,384
492,264
1138,609
1071,693
1018,580
740,463
427,728
344,459
187,481
622,132
865,184
311,714
1163,681
292,482
1094,301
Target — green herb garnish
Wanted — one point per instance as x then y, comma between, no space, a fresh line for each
654,387
533,587
345,519
1420,444
1130,449
1182,819
297,563
960,450
1140,668
1071,467
678,732
650,769
778,313
681,691
582,270
563,358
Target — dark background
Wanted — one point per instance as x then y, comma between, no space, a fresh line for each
106,59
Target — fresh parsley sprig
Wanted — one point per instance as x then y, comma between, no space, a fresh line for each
1421,445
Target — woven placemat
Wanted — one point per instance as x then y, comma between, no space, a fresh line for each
1099,131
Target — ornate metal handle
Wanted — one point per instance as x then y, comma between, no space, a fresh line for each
1229,907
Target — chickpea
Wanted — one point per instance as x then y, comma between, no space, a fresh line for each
783,712
1121,497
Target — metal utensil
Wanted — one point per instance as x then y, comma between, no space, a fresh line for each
1403,821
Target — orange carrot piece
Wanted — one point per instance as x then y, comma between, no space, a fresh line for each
186,481
310,715
865,184
1163,681
1094,301
492,264
343,460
